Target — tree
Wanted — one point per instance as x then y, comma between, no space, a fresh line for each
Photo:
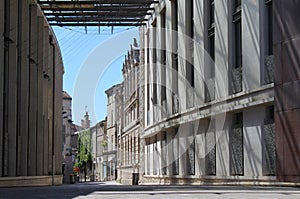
84,156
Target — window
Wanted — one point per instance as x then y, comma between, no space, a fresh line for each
190,33
211,13
269,143
174,20
164,153
211,36
237,58
270,27
148,156
163,55
210,149
211,46
148,73
155,156
270,113
237,12
175,34
236,145
191,151
154,58
237,4
238,44
175,150
210,49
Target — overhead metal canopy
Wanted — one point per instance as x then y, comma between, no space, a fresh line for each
97,12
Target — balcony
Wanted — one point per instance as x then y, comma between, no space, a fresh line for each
269,69
236,82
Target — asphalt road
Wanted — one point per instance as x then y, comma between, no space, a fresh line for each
112,190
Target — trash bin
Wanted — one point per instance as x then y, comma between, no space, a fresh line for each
76,178
135,179
72,180
92,178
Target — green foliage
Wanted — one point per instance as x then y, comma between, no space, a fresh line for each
84,155
104,143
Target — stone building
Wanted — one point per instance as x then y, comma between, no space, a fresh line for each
209,92
99,147
100,144
66,137
114,126
129,137
86,122
97,169
30,97
287,85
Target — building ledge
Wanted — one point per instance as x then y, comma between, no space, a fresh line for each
30,181
216,181
245,99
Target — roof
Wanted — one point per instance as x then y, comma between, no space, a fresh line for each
111,89
66,95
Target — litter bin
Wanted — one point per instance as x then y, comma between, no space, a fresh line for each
76,178
135,179
72,179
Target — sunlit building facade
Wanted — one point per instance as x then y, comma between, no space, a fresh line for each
209,92
129,136
114,122
31,71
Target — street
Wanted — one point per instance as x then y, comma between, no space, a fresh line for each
113,190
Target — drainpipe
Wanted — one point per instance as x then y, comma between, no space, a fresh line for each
53,106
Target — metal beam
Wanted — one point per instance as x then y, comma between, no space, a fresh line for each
97,12
96,19
103,8
98,2
119,14
97,24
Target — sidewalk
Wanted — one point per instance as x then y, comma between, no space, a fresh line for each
114,190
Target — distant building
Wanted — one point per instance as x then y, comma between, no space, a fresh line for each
82,139
86,122
114,123
129,136
99,146
96,140
67,131
74,141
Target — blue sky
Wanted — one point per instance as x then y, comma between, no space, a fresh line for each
93,63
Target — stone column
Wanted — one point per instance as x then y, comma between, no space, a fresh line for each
58,110
46,73
182,154
2,65
222,47
169,57
199,36
32,91
251,40
24,90
40,124
12,92
182,45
